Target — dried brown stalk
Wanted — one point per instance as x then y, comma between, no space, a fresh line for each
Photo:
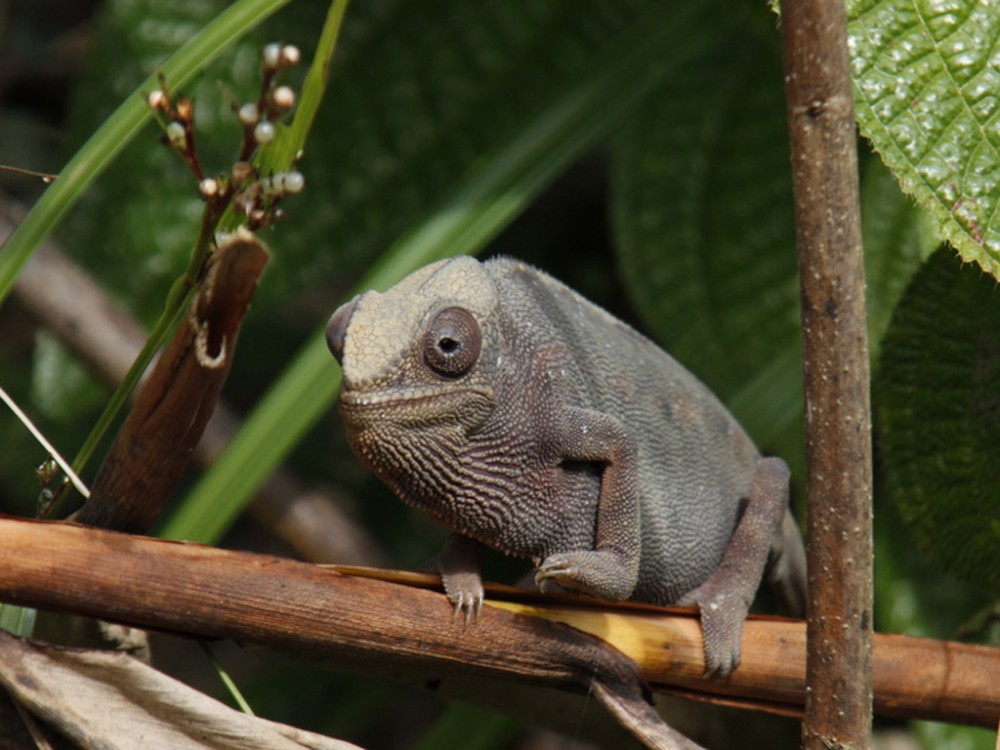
176,398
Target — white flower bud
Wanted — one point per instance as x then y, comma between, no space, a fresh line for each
290,55
248,114
272,55
284,97
176,134
264,132
156,99
242,171
293,182
208,187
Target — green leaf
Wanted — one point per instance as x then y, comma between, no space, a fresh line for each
926,80
898,236
703,216
419,93
602,72
938,406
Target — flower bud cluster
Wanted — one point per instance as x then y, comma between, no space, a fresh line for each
178,132
251,194
258,199
258,117
277,56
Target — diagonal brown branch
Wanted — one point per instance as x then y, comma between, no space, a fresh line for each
383,627
835,373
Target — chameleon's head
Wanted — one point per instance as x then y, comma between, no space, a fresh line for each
416,358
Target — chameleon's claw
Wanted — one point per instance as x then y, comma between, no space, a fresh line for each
596,572
469,602
553,571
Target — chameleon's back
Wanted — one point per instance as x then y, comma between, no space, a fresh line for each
695,463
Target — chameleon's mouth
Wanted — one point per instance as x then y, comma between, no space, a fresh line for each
421,408
411,397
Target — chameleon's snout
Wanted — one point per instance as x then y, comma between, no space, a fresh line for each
336,329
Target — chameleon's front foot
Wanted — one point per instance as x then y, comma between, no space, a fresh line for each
600,573
723,613
466,593
458,564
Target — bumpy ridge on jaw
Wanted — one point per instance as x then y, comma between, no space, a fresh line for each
408,395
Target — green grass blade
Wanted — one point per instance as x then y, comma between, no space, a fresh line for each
120,128
477,209
18,620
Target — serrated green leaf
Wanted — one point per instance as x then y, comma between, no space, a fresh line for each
938,406
926,79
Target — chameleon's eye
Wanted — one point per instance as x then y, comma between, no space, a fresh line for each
452,342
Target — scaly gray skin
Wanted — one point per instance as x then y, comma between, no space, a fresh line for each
529,420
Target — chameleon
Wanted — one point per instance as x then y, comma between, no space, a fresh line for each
529,420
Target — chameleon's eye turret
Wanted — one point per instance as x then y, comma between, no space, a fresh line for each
452,342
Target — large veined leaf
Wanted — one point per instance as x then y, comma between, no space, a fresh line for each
705,234
926,77
938,397
702,188
703,210
898,236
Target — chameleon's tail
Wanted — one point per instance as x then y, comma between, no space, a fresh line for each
787,569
